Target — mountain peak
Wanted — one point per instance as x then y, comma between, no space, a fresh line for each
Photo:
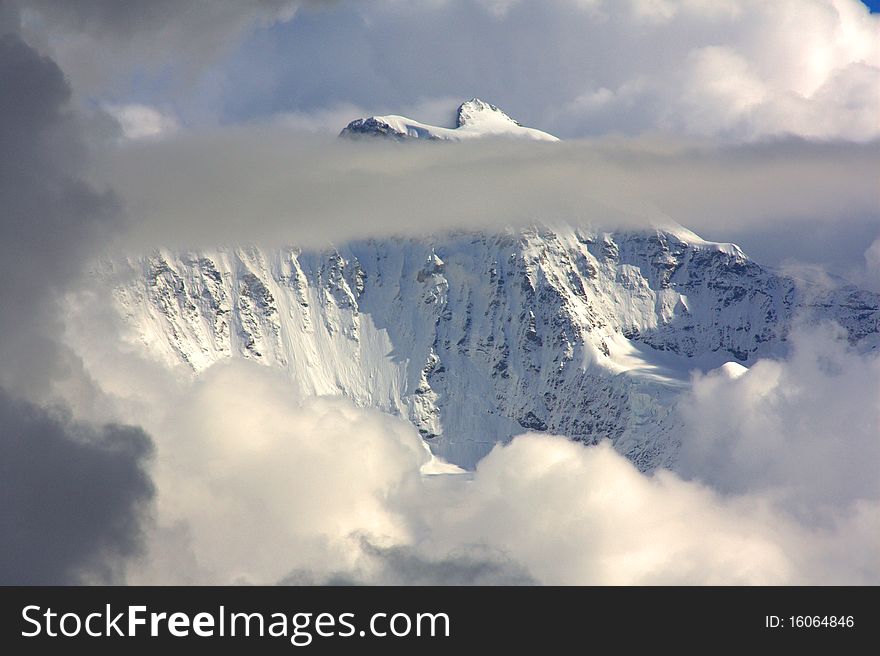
476,110
476,118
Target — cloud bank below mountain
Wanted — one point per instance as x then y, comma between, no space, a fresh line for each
257,484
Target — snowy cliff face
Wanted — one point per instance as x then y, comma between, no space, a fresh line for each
475,119
477,337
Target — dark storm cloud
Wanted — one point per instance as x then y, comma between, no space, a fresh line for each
50,218
192,28
124,19
474,565
73,496
146,37
405,565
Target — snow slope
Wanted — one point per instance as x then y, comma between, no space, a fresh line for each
475,119
475,337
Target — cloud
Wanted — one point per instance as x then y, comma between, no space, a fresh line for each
142,122
143,37
258,485
271,184
266,482
805,429
73,496
802,434
50,217
115,20
406,565
585,515
740,70
737,72
707,68
723,68
711,69
775,484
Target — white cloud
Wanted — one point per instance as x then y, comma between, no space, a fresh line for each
585,515
255,484
719,88
499,8
748,69
272,184
660,11
805,430
142,122
262,482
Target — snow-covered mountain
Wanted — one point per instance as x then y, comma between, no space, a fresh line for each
475,119
476,337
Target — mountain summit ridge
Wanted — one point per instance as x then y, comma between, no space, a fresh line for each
473,110
475,118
